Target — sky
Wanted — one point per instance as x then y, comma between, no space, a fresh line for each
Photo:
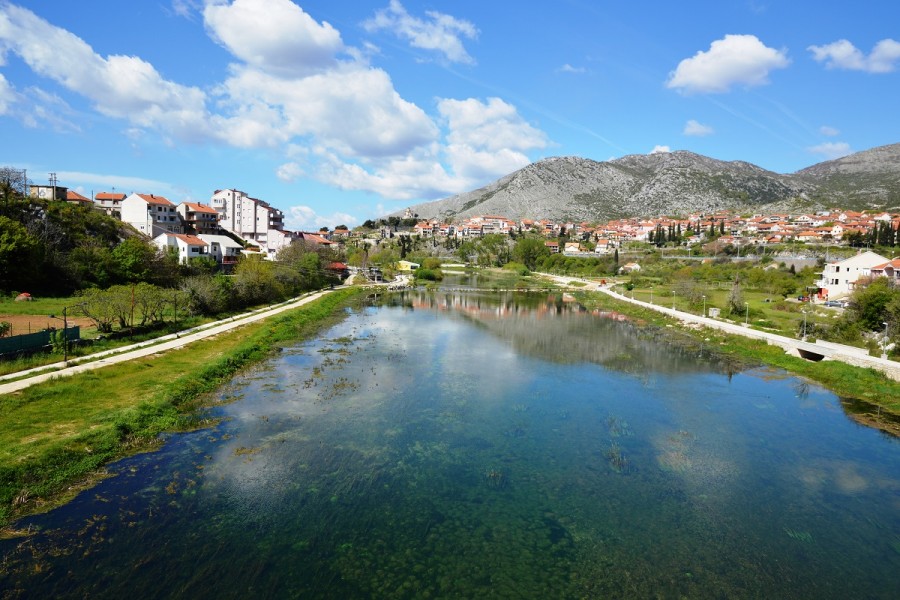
338,112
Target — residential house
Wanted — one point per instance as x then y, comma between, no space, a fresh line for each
199,217
76,198
187,246
151,215
839,278
222,248
552,246
250,218
110,203
890,269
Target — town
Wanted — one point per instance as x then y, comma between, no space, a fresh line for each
235,223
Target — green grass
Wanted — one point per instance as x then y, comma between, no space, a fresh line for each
56,437
867,385
781,316
38,306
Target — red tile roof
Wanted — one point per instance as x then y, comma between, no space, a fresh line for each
76,197
151,199
201,208
109,196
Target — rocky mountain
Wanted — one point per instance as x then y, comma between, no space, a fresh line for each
868,179
675,183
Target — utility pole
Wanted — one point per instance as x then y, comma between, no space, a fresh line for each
53,185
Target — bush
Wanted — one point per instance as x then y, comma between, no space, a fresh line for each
517,268
428,274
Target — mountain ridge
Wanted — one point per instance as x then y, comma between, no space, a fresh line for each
675,183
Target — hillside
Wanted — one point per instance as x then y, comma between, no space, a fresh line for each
675,183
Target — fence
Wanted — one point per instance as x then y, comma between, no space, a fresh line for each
34,341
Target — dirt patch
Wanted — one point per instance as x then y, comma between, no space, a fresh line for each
24,324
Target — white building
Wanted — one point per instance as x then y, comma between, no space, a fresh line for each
222,248
188,246
250,218
151,215
839,278
200,217
110,203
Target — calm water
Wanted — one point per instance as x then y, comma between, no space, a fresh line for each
477,446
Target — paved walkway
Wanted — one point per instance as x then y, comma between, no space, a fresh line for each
847,354
155,346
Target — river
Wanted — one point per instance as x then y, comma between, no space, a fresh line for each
473,445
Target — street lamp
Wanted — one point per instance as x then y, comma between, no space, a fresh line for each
704,305
804,324
747,313
673,299
65,335
884,344
651,294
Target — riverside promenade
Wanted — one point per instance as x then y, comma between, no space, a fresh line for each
818,350
176,340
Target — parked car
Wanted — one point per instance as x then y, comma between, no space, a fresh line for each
803,298
834,303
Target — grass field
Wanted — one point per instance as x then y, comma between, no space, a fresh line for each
56,437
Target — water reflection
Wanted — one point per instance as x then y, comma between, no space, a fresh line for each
468,446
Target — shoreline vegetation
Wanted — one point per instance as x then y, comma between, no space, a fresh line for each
868,396
54,444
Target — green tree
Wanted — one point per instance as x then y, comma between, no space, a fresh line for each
254,280
20,254
134,259
736,296
528,250
870,301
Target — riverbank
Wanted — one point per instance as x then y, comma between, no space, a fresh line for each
56,437
869,396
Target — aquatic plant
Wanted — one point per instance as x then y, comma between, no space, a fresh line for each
495,478
616,458
618,427
800,536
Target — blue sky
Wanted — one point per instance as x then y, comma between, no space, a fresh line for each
336,112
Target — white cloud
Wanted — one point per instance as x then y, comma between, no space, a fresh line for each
333,118
696,128
119,86
829,131
353,110
831,150
660,149
289,172
7,95
120,182
487,139
440,32
567,68
733,60
273,35
304,218
844,55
